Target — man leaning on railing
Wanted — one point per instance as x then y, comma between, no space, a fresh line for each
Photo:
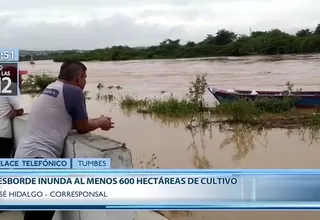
59,108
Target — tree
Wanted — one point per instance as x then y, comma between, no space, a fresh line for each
304,33
210,39
224,37
223,43
317,30
258,33
190,44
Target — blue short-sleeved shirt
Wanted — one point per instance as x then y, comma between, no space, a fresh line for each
50,121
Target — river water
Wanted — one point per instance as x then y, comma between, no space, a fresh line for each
161,143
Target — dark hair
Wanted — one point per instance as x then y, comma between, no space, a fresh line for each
71,69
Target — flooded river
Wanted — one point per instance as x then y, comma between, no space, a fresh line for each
161,143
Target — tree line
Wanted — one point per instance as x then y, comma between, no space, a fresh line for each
223,43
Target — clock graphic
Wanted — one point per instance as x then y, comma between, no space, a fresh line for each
9,55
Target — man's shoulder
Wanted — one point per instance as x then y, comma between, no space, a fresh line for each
58,88
70,88
52,90
72,93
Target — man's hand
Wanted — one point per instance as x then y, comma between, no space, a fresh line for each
12,114
85,126
105,123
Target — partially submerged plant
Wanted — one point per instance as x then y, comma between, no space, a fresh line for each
172,106
252,111
196,97
37,83
197,90
290,88
131,102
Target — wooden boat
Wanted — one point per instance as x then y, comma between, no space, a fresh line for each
304,99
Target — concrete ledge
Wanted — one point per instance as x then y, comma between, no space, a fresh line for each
94,146
86,146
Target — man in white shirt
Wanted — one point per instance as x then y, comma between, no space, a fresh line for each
10,107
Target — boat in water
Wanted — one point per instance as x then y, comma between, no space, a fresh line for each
31,61
303,99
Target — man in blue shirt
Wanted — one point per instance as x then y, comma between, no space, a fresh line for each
60,107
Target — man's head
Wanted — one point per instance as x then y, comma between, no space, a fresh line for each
74,72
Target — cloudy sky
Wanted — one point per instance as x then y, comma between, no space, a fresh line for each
89,24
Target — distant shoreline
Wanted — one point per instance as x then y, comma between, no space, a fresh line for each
223,43
218,58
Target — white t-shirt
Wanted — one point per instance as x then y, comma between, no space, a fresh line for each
6,104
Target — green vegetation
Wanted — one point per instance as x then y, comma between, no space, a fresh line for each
37,83
244,111
266,113
223,43
263,112
172,107
269,112
130,102
193,103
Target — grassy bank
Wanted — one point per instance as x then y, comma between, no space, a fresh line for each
171,107
268,114
260,113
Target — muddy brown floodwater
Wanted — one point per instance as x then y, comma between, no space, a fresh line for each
161,143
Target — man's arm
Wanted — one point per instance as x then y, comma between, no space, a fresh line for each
85,126
17,106
76,107
93,121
